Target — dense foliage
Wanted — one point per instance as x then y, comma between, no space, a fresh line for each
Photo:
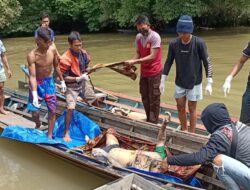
10,10
22,16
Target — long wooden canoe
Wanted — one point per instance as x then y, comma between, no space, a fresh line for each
177,141
132,105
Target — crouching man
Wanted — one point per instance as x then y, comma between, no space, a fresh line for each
228,149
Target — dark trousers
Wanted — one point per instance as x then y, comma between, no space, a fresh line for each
245,107
150,94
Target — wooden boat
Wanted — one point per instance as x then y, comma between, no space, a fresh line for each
177,141
129,106
130,182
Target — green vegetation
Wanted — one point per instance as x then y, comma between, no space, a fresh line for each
22,16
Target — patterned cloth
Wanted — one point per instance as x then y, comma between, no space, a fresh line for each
46,90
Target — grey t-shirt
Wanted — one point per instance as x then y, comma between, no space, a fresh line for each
188,58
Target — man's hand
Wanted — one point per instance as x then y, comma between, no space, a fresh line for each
227,85
35,99
162,85
99,152
63,86
83,77
9,73
209,86
130,62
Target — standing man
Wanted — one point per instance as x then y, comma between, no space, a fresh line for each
148,55
189,52
245,107
228,148
41,62
3,63
74,66
44,22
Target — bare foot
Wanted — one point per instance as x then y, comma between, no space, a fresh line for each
50,137
67,138
3,111
37,126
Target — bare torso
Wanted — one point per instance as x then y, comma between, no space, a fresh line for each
128,157
43,62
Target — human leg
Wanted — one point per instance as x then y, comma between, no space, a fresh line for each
193,96
232,173
71,98
154,98
181,107
36,118
161,134
51,123
193,117
245,107
49,94
180,97
144,95
2,110
88,93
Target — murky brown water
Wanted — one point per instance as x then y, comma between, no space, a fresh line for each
24,167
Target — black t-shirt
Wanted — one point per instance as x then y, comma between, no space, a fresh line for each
246,52
188,58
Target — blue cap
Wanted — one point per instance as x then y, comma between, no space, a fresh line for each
185,24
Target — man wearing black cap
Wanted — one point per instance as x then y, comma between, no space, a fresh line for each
189,53
228,148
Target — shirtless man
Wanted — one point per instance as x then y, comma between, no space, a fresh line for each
145,160
41,62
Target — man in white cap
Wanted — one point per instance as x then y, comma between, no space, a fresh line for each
245,107
189,53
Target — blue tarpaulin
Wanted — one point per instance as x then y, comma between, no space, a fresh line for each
193,181
79,128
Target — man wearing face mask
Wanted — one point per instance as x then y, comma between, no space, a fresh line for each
74,66
148,55
189,53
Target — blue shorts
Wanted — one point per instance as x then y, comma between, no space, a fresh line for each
46,91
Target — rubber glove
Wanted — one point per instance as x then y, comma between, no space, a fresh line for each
35,99
83,77
209,86
162,85
63,86
227,85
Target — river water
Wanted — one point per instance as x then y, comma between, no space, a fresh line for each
25,167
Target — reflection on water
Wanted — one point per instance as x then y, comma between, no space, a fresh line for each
24,167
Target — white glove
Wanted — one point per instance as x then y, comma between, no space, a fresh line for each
35,99
227,85
209,86
84,76
63,86
162,85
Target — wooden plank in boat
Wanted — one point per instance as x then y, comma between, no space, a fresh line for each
14,119
131,182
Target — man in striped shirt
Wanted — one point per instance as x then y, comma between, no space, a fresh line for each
189,53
